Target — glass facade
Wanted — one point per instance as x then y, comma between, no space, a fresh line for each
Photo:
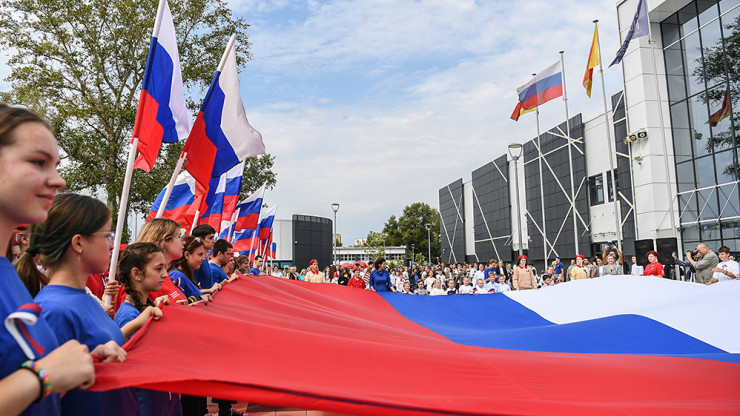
701,47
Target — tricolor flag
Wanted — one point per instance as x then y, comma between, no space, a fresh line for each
162,115
518,111
723,112
180,205
593,62
223,194
221,136
545,86
640,27
265,226
20,326
247,213
273,248
243,241
616,345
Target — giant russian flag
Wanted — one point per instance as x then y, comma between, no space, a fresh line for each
545,86
221,136
615,345
180,202
223,194
162,115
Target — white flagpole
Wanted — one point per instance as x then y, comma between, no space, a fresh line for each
542,189
171,184
570,155
123,205
230,236
617,211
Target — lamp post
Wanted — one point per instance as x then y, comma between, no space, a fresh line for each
335,208
515,150
429,240
412,253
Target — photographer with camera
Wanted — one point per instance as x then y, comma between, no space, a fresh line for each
705,261
687,270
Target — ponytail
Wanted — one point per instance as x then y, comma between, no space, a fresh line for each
136,255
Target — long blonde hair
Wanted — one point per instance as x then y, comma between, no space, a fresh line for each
157,231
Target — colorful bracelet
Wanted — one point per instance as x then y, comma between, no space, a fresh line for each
43,376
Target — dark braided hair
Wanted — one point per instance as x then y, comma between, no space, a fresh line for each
137,255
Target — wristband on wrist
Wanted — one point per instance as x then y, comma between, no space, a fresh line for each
43,377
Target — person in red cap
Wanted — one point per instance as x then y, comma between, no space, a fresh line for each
523,275
654,268
579,272
313,274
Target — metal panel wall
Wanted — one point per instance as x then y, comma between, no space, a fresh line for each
452,223
312,240
554,163
492,211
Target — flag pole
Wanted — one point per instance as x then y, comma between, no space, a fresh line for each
232,227
542,189
171,184
617,211
123,205
570,155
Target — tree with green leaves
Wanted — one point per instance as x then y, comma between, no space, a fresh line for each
81,64
410,228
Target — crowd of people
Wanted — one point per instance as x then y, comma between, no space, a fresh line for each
61,309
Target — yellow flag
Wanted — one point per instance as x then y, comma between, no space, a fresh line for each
593,61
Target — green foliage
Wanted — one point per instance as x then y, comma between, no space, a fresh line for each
410,229
375,245
81,64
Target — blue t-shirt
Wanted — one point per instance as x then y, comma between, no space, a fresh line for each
12,296
255,271
73,314
188,288
380,280
152,402
203,276
559,268
218,274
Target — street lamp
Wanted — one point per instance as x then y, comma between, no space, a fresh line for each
429,240
515,150
413,246
335,208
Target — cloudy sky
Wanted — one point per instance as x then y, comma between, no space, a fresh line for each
378,104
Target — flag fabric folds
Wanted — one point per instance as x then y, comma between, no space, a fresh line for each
247,213
593,62
220,203
221,136
545,86
244,240
265,225
612,345
518,111
162,115
640,27
723,112
181,200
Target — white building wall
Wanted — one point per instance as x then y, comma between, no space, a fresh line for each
654,174
469,219
282,235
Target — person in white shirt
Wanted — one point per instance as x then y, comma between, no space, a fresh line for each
502,286
480,288
437,290
466,287
636,270
727,269
479,274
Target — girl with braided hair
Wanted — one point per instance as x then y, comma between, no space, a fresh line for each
142,270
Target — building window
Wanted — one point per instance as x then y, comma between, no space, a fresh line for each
596,189
609,184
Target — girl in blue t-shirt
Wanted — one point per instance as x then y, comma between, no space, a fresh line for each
75,241
142,270
181,270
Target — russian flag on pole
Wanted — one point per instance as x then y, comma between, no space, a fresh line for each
162,115
246,215
221,136
273,248
545,86
265,226
223,194
180,202
242,241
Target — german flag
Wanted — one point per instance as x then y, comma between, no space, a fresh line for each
723,112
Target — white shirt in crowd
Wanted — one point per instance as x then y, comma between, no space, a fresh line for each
731,266
477,276
637,270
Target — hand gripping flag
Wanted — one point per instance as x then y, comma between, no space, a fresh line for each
615,345
545,86
640,27
593,62
162,115
180,205
723,112
223,194
221,136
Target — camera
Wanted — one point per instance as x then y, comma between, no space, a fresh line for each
694,253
